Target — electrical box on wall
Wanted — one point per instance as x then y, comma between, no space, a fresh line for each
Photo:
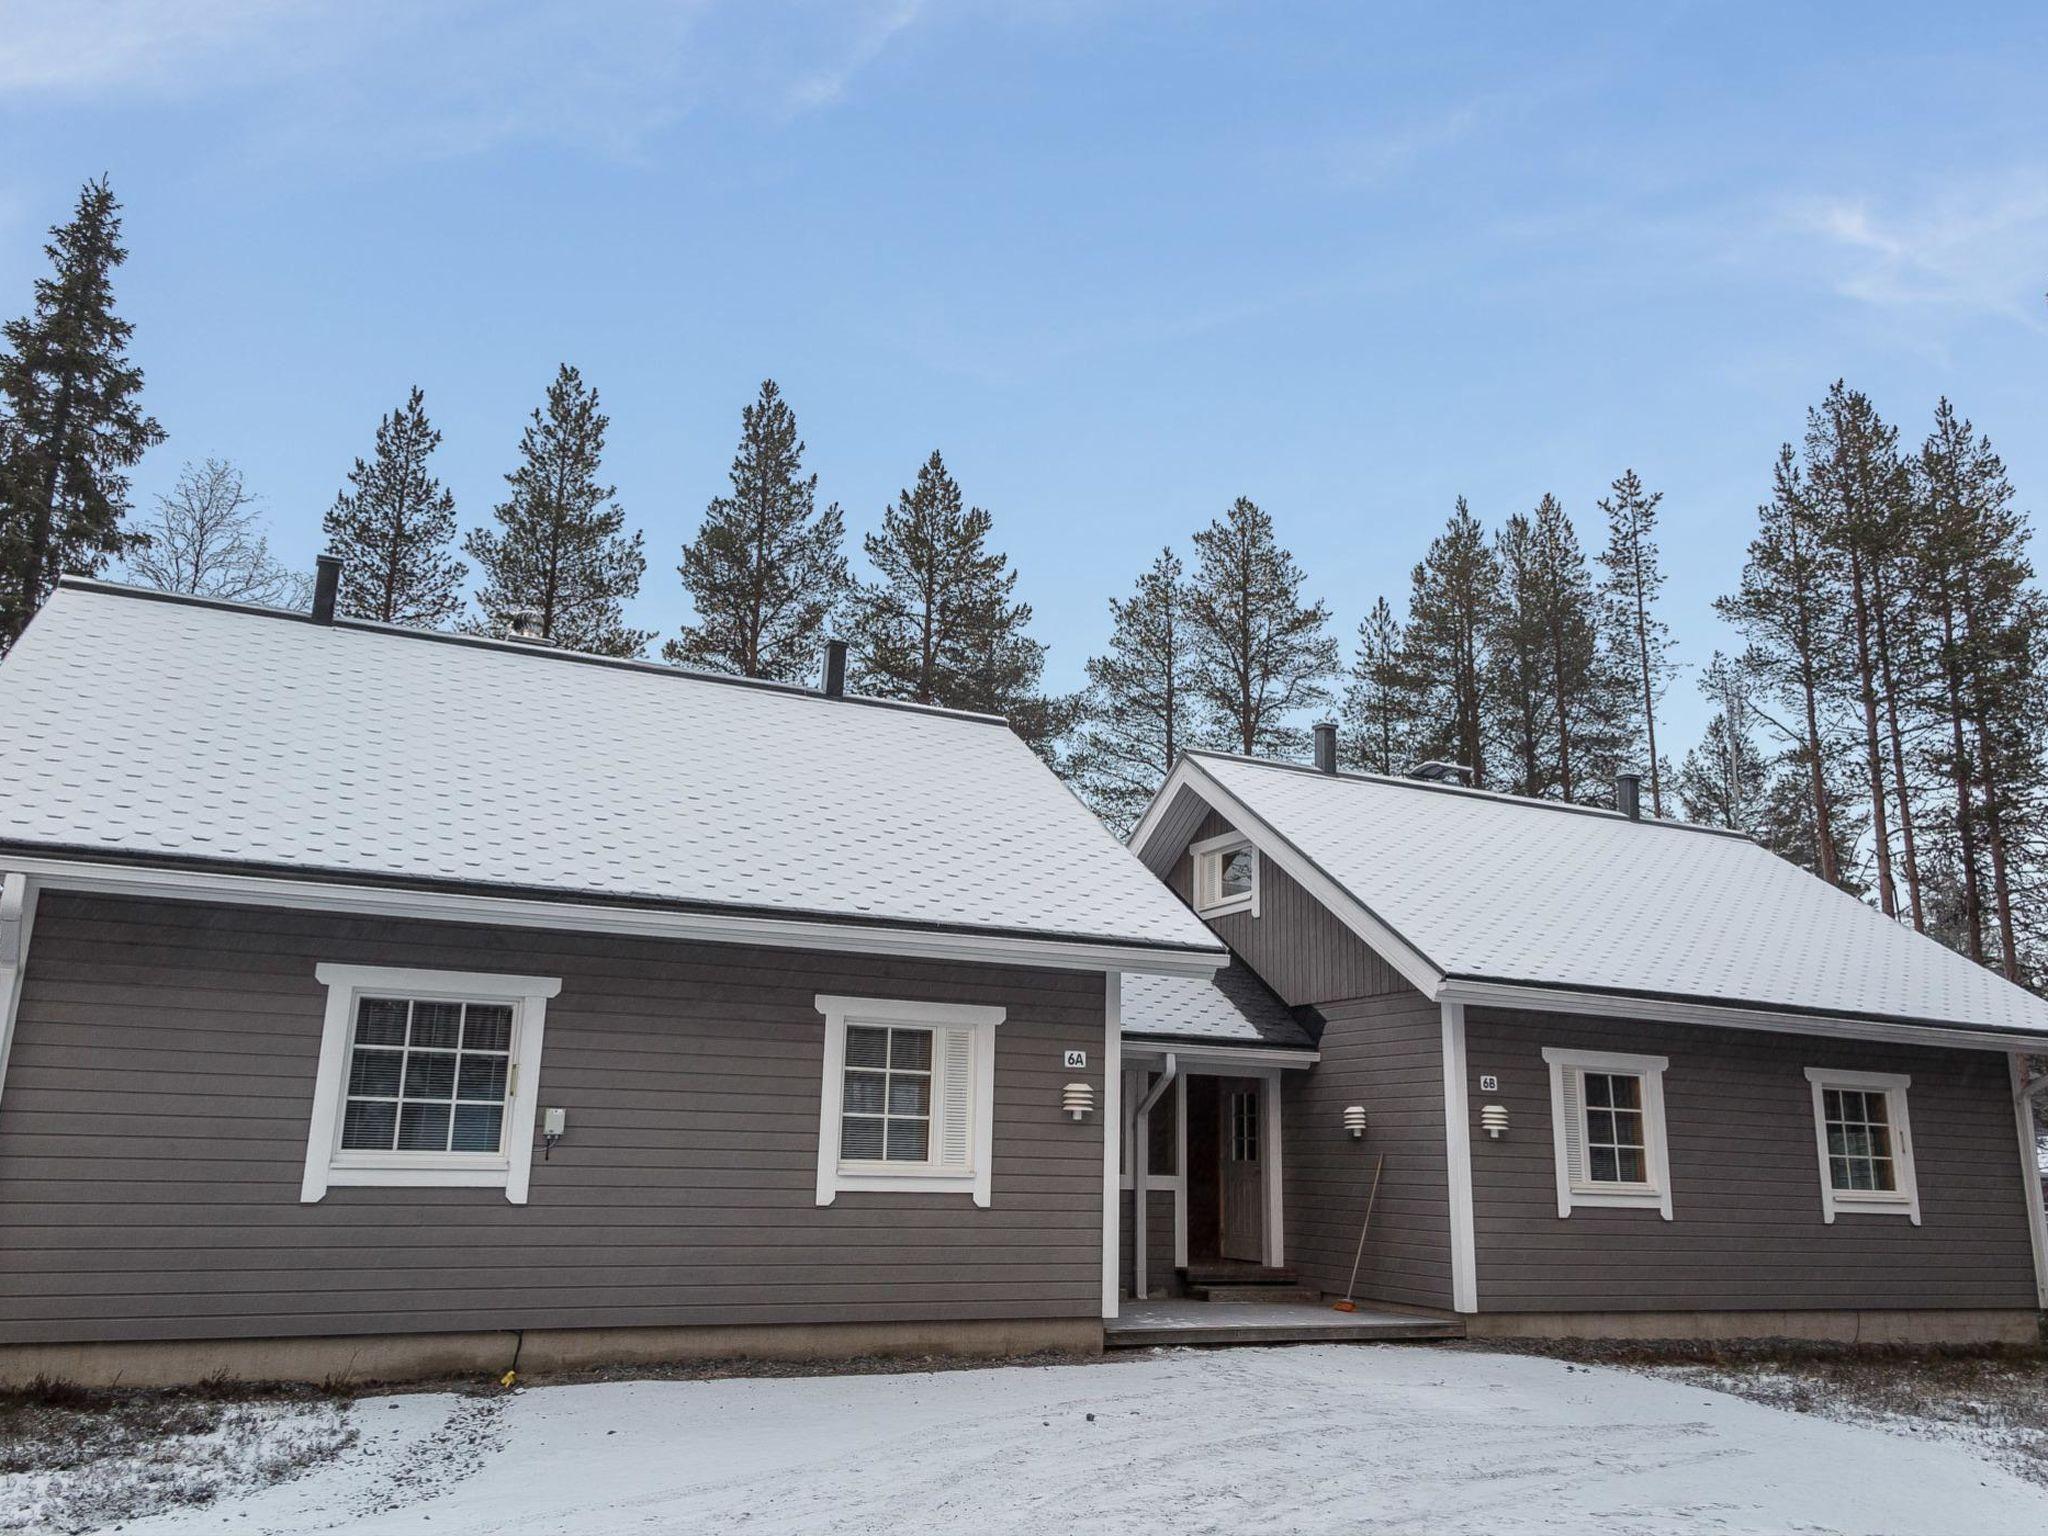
553,1122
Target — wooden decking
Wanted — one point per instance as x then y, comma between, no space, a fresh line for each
1144,1324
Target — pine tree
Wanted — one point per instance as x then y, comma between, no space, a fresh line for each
1725,780
1860,492
206,538
1782,608
70,416
1262,655
558,554
1379,700
766,572
1518,682
1450,613
1141,706
1634,579
941,624
392,527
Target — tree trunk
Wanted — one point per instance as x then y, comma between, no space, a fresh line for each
1866,688
1891,708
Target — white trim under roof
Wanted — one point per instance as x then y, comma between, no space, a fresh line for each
587,917
1145,1048
17,927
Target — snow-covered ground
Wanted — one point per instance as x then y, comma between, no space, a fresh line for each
1329,1438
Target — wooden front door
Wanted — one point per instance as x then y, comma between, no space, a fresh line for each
1244,1176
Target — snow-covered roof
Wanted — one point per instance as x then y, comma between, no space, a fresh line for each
175,731
1483,887
1233,1007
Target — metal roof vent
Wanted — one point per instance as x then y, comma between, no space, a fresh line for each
326,585
523,625
1326,746
1628,795
833,683
1435,771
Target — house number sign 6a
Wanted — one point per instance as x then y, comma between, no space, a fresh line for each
1077,1059
1488,1083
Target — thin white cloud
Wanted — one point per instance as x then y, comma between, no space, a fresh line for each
1980,248
446,77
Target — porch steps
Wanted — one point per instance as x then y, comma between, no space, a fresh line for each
1255,1292
1244,1282
1150,1324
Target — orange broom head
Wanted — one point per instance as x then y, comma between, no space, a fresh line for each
1343,1306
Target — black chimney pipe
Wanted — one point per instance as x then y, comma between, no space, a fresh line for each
1326,746
326,584
1628,795
834,685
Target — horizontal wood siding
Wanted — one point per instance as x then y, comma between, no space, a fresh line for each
1297,947
1160,1274
153,1129
1747,1231
1385,1053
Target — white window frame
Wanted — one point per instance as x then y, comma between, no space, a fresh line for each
328,1166
1655,1193
1903,1201
931,1176
1205,871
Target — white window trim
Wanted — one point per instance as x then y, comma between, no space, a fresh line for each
1903,1201
328,1167
880,1012
1205,857
1655,1195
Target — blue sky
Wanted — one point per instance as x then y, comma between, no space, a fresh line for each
1119,262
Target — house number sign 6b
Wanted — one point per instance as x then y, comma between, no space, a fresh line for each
1488,1083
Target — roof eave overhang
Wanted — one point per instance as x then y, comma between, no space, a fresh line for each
1650,1009
1219,1052
171,883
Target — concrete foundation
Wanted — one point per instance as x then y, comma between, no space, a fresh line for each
430,1356
1828,1327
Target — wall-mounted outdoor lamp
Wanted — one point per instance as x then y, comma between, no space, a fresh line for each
1354,1121
1078,1100
1493,1119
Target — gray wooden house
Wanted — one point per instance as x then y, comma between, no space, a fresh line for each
383,1003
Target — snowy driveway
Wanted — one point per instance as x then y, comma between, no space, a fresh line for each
1329,1438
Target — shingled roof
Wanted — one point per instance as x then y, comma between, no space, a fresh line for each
1464,886
185,733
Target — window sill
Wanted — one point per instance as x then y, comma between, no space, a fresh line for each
901,1181
1874,1205
1638,1199
398,1177
1225,908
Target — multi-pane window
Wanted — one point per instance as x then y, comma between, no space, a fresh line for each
1617,1150
1865,1142
886,1100
1244,1126
427,1076
1226,876
1859,1136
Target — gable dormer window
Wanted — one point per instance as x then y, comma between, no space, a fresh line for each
1226,875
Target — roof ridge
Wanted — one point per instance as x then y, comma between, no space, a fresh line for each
528,650
1494,796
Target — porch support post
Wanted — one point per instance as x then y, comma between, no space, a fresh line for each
17,922
1112,1140
2027,1090
1180,1168
1271,1156
1458,1161
1141,1177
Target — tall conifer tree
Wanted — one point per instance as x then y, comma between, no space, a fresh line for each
941,623
1725,780
1450,614
1263,655
1521,698
71,419
1142,710
393,525
1380,697
1634,580
766,572
559,553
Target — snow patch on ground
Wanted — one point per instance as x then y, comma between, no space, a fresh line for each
1327,1438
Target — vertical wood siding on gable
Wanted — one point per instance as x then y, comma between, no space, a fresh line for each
1747,1231
1298,948
153,1128
1385,1053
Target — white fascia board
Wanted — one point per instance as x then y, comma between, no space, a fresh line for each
1652,1010
17,927
582,917
1414,966
1195,1056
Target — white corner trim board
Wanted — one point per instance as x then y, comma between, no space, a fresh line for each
1904,1199
1458,1162
1576,1186
328,1165
17,926
1112,1141
2027,1094
960,1104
